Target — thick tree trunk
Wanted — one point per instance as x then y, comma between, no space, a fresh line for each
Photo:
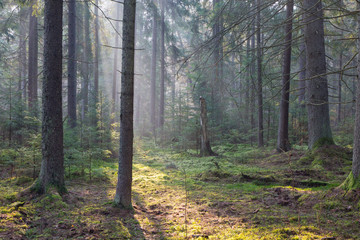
205,149
353,180
259,77
162,73
123,188
283,143
115,68
52,165
316,84
72,64
153,73
33,64
356,149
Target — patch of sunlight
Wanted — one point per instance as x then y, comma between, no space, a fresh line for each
246,187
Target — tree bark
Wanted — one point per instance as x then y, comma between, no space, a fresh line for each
162,73
52,165
97,54
22,53
302,72
316,84
340,87
72,63
356,149
153,73
216,99
33,63
116,51
123,188
205,149
86,63
259,77
353,180
283,143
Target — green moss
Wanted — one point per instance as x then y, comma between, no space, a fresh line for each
23,179
350,183
37,187
328,205
322,141
52,201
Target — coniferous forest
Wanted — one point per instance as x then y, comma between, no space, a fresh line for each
168,119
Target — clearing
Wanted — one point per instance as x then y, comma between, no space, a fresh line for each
244,193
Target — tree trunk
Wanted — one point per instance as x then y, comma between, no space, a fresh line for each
123,188
33,63
259,77
116,51
302,71
22,54
283,143
162,73
86,63
52,165
248,80
216,101
205,149
353,181
97,55
153,73
72,64
173,92
340,87
252,87
316,84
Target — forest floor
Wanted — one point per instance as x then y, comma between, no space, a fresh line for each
244,193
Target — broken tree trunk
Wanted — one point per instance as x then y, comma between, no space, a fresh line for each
205,149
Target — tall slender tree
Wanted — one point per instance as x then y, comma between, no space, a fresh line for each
116,51
86,63
259,76
283,143
153,72
162,72
33,60
97,52
123,188
52,165
22,53
72,63
217,85
316,84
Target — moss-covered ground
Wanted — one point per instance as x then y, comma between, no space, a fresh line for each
244,193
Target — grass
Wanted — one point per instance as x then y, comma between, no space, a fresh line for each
244,193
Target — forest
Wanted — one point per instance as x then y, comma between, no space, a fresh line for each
169,119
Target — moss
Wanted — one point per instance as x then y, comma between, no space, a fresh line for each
37,187
328,205
23,179
322,142
350,183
